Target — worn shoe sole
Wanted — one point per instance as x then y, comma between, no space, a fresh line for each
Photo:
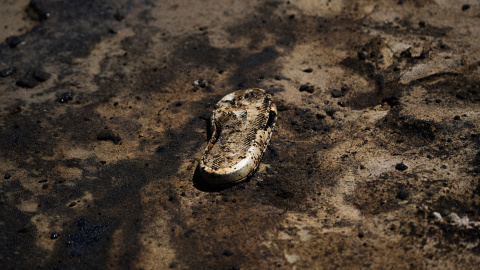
241,126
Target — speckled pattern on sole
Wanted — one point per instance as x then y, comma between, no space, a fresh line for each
241,124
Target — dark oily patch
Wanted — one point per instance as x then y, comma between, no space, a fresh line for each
460,87
408,129
378,196
65,40
407,27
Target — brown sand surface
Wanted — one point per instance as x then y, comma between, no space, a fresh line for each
102,126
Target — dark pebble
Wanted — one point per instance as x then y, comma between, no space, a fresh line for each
7,72
361,55
112,31
291,16
227,252
39,7
421,24
233,267
457,117
341,103
465,7
403,195
67,96
40,75
107,135
119,16
72,204
27,81
103,162
285,193
462,95
32,77
54,235
438,100
44,186
14,41
160,149
308,70
307,88
337,93
16,110
7,176
361,235
401,167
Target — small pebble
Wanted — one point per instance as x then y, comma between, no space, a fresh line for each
401,167
228,252
54,235
233,267
403,195
67,96
465,7
308,70
40,75
361,55
108,135
119,15
7,72
7,176
307,88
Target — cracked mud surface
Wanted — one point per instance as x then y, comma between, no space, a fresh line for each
374,164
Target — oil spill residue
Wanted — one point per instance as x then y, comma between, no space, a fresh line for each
82,241
56,39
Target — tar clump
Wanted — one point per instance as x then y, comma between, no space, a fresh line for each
401,167
108,135
66,97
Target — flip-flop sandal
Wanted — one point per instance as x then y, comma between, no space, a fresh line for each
241,127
